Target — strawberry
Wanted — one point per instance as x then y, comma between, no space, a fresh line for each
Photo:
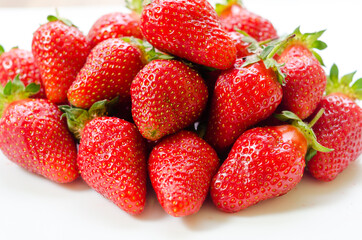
340,127
181,167
240,44
111,157
60,50
305,79
117,24
188,29
167,96
33,136
19,61
243,96
233,15
264,163
107,73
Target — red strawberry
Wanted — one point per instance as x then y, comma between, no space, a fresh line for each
18,61
339,128
108,72
181,167
263,163
60,50
240,44
305,79
233,15
33,135
111,157
167,96
243,96
188,29
114,25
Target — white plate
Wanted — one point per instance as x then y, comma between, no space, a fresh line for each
34,208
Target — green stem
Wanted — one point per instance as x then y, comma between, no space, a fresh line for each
316,118
265,42
279,45
57,13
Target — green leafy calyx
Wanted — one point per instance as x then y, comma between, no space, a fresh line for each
266,54
149,53
52,18
344,85
311,41
77,118
306,129
16,90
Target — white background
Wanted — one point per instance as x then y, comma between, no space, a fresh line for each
32,207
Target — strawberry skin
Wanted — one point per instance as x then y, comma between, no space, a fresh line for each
262,164
188,29
242,97
112,160
167,96
114,25
181,167
305,80
108,72
19,61
236,16
340,128
60,51
33,136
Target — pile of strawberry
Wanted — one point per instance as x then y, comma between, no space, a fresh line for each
196,100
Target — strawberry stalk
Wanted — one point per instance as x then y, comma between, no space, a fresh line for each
344,85
254,46
16,90
77,118
306,129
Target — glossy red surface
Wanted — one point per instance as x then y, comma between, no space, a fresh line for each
112,160
305,80
107,73
34,137
262,164
167,96
243,96
181,167
114,25
60,52
190,30
241,18
339,128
